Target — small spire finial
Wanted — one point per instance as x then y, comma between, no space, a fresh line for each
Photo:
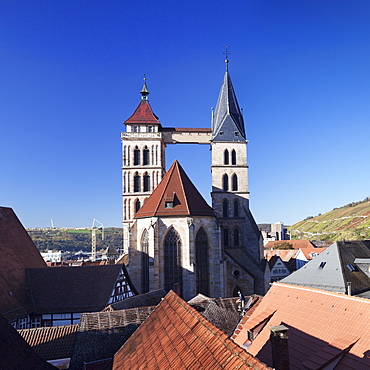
144,91
227,56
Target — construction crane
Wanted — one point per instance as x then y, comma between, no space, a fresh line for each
93,237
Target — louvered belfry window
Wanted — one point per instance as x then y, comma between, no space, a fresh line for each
172,260
202,262
145,262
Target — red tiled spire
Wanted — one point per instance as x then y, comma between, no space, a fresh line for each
175,195
143,112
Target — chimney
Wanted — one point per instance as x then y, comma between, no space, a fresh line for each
349,288
279,344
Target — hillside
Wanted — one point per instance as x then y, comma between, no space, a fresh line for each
74,240
349,222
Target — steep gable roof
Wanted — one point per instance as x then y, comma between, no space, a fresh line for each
175,336
143,115
334,268
228,122
74,289
322,326
175,195
18,252
15,353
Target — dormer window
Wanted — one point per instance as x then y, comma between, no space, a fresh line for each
168,204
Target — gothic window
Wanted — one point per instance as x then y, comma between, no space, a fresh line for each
136,156
235,182
201,262
226,237
146,182
136,182
145,262
236,237
226,156
233,157
236,208
225,208
146,156
137,205
225,182
172,260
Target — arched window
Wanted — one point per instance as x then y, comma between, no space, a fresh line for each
226,156
236,237
225,182
146,182
137,205
226,237
236,208
145,156
136,182
136,156
225,208
235,182
201,262
145,262
233,157
172,260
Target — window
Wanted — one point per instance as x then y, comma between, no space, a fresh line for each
236,237
23,323
146,156
136,156
226,237
236,208
146,182
149,128
145,262
137,205
201,262
136,182
225,182
168,204
36,322
226,157
322,265
235,182
172,260
135,129
233,157
225,208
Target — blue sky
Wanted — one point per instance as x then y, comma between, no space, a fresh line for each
71,72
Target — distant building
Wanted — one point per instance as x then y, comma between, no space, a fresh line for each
274,232
55,256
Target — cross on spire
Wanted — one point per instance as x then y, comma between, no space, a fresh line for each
227,56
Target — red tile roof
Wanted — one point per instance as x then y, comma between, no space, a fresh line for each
143,114
296,243
319,322
175,187
176,336
18,252
51,343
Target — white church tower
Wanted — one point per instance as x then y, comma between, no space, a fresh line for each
143,160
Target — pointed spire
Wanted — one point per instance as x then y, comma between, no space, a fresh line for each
228,122
144,91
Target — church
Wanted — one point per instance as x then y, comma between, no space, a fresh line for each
173,238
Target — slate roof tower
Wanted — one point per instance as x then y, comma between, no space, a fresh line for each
240,236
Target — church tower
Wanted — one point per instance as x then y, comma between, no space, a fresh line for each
240,237
143,160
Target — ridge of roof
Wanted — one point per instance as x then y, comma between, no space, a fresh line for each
174,335
186,199
143,114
